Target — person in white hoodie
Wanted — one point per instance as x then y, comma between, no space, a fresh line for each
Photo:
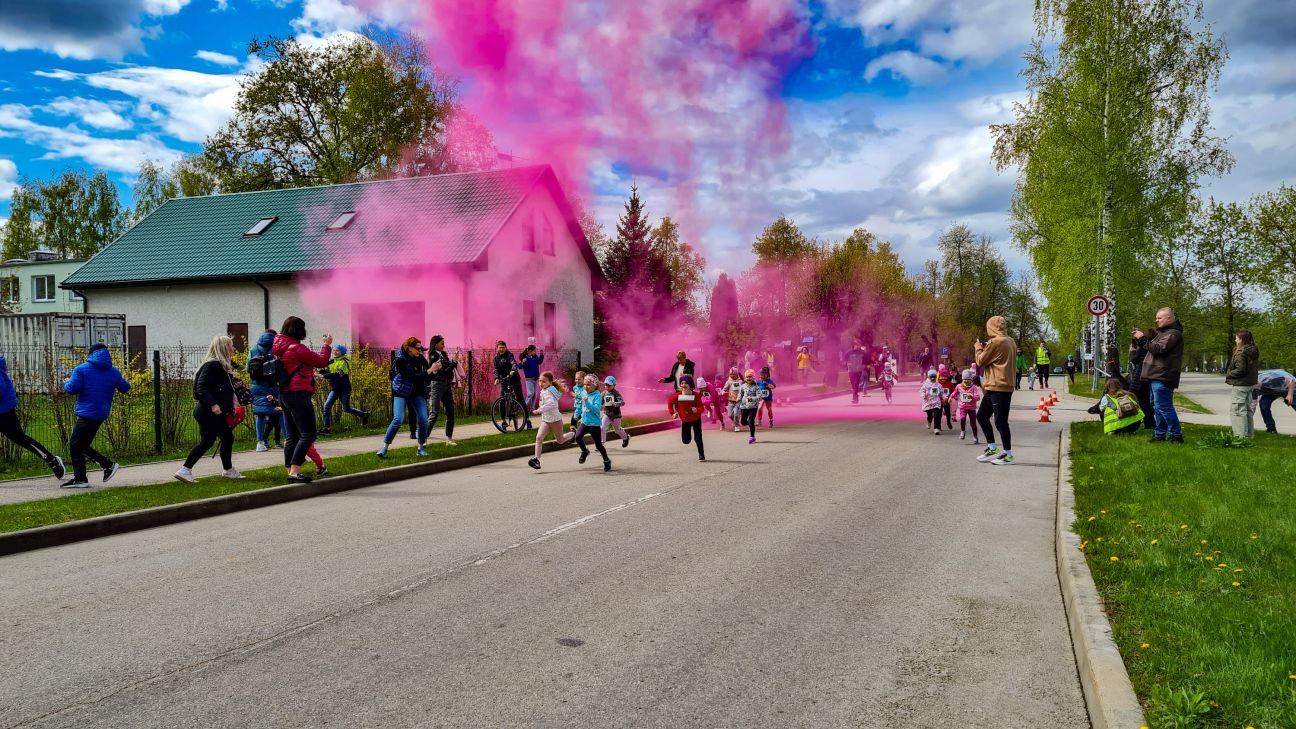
551,419
933,396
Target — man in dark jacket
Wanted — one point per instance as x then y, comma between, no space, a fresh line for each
683,366
1161,369
95,382
507,377
857,370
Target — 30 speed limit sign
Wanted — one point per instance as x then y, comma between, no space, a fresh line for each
1100,305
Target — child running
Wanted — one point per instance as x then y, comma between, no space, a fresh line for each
946,380
967,396
888,378
732,387
551,420
687,406
578,399
767,397
592,422
932,399
612,405
749,400
710,401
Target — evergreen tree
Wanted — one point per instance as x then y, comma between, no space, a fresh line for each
629,254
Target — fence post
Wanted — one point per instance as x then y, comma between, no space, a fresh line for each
469,407
157,401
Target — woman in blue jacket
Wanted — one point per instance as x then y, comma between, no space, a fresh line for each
11,428
95,382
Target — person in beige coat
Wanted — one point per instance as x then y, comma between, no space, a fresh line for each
997,359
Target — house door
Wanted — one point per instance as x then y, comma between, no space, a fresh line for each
384,326
137,348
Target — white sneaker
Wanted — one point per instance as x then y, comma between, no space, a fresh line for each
962,435
991,453
976,440
937,431
262,447
185,475
233,473
735,429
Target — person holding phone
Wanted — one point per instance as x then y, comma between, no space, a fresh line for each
298,365
530,363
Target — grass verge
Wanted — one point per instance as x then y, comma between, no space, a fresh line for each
1081,389
59,509
1193,549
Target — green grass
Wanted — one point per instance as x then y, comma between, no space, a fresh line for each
1081,389
1200,591
57,510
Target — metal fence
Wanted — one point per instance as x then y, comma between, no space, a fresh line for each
155,419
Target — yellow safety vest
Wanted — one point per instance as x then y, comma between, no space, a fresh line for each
1112,420
1041,356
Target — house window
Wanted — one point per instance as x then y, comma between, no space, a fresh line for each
342,221
239,333
529,237
10,290
551,324
260,227
74,295
529,320
42,288
546,236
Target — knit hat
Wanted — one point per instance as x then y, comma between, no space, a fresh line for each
968,374
701,383
610,381
340,349
734,371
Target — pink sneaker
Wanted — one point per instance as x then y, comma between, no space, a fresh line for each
750,441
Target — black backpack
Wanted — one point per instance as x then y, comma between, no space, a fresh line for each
266,368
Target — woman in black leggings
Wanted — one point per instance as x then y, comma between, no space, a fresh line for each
442,371
11,427
214,391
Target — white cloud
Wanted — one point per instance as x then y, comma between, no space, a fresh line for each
8,178
79,29
917,69
71,142
220,59
98,114
327,19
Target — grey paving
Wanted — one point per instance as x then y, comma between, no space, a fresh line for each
853,574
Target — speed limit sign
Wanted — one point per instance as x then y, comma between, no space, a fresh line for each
1099,305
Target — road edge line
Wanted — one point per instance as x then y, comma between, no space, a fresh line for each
1109,695
53,535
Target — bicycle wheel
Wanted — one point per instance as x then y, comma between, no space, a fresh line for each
506,414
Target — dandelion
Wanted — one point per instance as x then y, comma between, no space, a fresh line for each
1237,571
1145,646
1102,511
1155,541
1255,536
1204,541
1237,584
1221,565
1115,558
1092,518
1183,526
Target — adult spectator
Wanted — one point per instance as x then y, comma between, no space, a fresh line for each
1273,385
1119,408
530,364
1161,368
1141,388
857,370
409,385
925,360
443,372
11,426
684,366
298,365
1020,367
1043,362
803,366
214,392
509,379
1242,375
95,382
996,358
265,392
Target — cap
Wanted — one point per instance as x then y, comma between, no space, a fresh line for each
734,371
610,381
340,349
931,373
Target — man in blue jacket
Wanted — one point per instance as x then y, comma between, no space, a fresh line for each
95,382
11,427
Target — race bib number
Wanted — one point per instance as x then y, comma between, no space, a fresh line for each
686,398
965,397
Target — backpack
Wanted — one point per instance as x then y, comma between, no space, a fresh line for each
1126,404
265,368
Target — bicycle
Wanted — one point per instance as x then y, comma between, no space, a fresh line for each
507,412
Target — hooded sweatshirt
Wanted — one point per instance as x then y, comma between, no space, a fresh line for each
95,382
262,391
1242,370
299,362
8,395
997,358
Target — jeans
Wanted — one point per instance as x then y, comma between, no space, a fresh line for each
13,430
84,431
531,385
442,397
855,382
211,428
1266,410
265,424
1240,416
1167,420
398,417
996,404
345,399
299,416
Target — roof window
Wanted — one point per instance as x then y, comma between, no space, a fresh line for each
342,221
260,227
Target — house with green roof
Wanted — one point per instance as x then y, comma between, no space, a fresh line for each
474,257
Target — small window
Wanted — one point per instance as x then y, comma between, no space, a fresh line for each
9,290
74,295
546,236
551,324
529,237
342,221
42,288
529,319
260,227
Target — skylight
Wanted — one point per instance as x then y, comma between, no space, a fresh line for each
342,221
260,227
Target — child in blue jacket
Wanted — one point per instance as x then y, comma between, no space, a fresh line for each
95,382
11,427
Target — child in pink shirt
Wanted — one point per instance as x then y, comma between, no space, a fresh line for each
966,396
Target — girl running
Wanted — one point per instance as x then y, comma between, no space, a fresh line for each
551,420
578,399
592,422
710,401
932,400
612,405
687,406
946,380
749,400
732,387
12,428
967,395
888,378
767,398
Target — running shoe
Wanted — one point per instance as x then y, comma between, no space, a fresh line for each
735,429
364,420
326,431
58,468
534,463
299,478
321,471
75,484
625,442
750,441
185,475
421,451
937,432
991,453
110,471
262,447
582,458
1003,460
607,466
382,452
450,442
233,473
701,458
962,435
976,440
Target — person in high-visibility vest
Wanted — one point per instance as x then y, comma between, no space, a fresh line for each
1043,361
1120,410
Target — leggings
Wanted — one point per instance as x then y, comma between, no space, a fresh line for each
767,406
13,430
442,396
949,415
84,431
556,427
933,418
996,404
212,428
968,416
597,432
613,424
692,430
749,420
299,412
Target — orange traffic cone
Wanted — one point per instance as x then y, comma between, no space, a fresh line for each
1043,405
1044,416
1053,399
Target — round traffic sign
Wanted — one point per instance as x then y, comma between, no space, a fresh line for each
1099,305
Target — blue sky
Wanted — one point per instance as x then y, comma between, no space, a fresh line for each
889,117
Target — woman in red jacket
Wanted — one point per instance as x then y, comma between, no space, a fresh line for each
298,363
687,406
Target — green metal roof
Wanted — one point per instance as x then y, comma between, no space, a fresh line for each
408,221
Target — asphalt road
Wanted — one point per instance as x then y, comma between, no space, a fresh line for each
856,574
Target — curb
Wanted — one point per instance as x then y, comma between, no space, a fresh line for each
54,535
1108,693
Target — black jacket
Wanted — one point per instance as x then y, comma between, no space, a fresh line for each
505,364
412,370
214,386
1165,355
448,365
675,374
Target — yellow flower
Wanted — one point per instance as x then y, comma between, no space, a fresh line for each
1237,571
1183,526
1145,645
1102,511
1115,558
1099,539
1237,584
1154,541
1092,518
1255,536
1091,468
1205,541
1221,564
